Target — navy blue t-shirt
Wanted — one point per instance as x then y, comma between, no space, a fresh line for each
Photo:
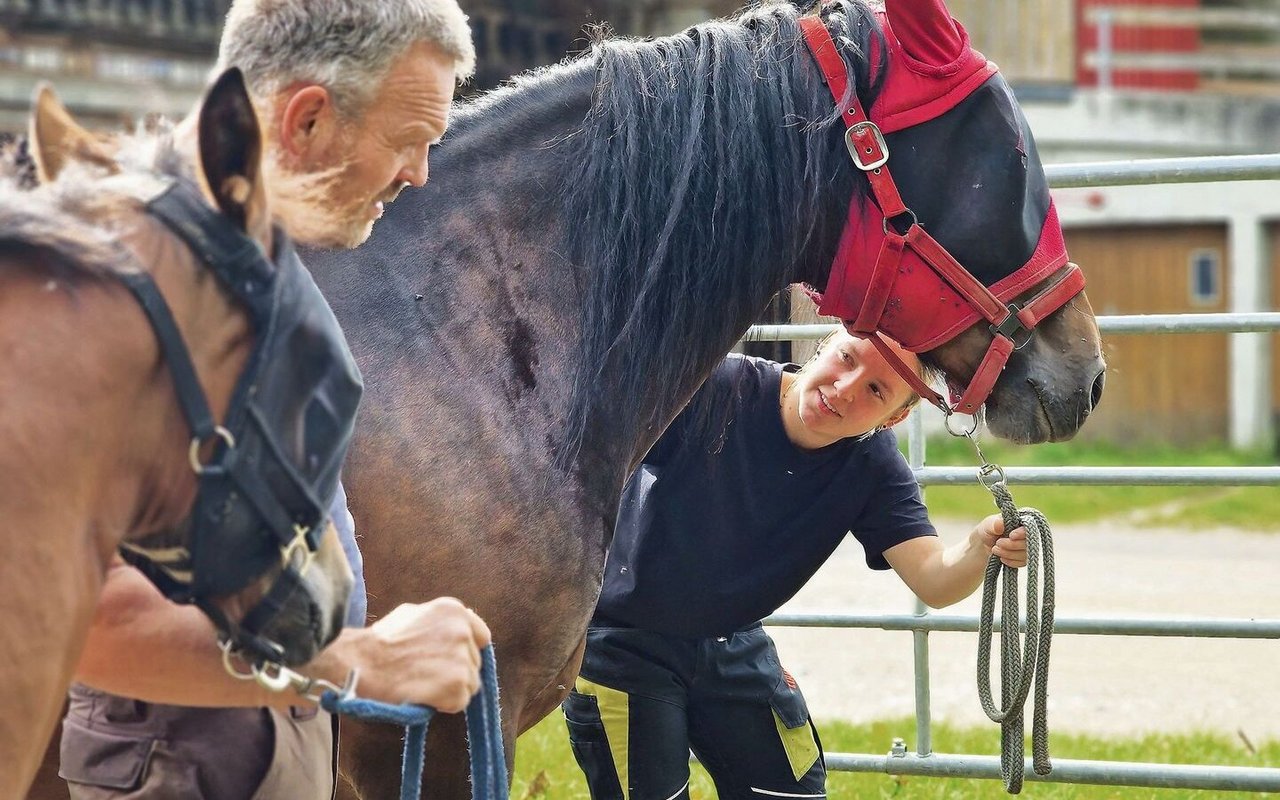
708,543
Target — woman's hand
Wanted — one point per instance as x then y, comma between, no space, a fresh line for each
1011,549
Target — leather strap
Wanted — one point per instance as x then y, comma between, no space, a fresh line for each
882,279
185,382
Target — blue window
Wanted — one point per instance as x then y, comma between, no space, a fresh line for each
1206,277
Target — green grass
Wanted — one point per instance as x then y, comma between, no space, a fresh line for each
545,767
1255,508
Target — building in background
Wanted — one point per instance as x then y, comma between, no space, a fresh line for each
1118,79
116,61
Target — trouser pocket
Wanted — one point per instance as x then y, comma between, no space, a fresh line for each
105,760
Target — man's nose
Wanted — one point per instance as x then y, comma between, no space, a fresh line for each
415,172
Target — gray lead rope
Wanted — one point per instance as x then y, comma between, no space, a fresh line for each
1017,670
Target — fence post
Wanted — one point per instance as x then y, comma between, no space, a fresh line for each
1250,353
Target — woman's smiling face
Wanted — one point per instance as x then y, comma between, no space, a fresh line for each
847,390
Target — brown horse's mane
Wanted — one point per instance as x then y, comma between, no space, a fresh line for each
38,233
60,227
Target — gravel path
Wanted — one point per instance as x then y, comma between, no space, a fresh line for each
1100,685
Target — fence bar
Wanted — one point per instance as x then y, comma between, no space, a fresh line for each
1065,770
1195,169
1087,626
1252,322
1107,476
1258,321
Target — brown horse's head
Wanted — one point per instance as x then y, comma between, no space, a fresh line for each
226,508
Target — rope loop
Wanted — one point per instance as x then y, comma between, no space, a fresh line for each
1018,670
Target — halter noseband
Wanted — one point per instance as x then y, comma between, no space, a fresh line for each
1011,324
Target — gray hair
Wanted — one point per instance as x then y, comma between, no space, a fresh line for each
347,46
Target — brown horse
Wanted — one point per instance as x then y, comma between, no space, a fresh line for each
94,448
594,239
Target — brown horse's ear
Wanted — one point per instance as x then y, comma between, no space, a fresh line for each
231,154
57,140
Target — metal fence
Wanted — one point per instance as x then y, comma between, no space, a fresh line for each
899,760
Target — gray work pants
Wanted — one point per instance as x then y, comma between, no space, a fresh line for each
116,748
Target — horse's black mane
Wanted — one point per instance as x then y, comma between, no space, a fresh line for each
709,170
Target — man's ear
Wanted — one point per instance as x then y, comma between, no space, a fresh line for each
56,140
306,121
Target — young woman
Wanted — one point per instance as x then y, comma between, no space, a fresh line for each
733,510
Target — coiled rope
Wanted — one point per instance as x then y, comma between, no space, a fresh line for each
1017,670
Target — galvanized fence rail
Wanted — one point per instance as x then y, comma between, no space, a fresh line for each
923,761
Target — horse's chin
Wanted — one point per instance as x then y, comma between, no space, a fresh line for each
1021,418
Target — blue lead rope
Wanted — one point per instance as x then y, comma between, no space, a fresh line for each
484,733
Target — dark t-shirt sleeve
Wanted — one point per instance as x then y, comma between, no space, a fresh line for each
896,511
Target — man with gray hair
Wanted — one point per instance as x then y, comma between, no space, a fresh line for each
351,94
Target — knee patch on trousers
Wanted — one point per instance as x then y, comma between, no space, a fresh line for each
791,718
599,718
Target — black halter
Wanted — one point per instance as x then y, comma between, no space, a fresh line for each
263,496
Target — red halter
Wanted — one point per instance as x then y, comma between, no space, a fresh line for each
864,303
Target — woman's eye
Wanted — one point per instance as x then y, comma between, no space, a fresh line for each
875,390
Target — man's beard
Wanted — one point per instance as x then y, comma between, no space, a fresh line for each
310,207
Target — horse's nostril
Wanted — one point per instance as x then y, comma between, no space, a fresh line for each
1096,394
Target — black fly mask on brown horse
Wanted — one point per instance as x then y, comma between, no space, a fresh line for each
167,388
594,238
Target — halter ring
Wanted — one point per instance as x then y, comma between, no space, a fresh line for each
946,421
884,222
193,454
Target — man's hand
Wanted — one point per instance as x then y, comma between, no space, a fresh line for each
427,653
1011,549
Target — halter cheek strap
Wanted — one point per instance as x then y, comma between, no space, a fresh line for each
1010,324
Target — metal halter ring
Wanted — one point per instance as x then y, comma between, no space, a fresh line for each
884,223
194,453
946,421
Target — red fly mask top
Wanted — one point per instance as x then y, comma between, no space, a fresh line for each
918,293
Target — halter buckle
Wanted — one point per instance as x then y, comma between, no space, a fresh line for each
299,544
860,152
1012,328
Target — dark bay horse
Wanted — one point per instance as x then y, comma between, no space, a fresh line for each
94,449
594,238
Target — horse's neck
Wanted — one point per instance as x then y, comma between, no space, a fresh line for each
218,339
112,447
516,239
